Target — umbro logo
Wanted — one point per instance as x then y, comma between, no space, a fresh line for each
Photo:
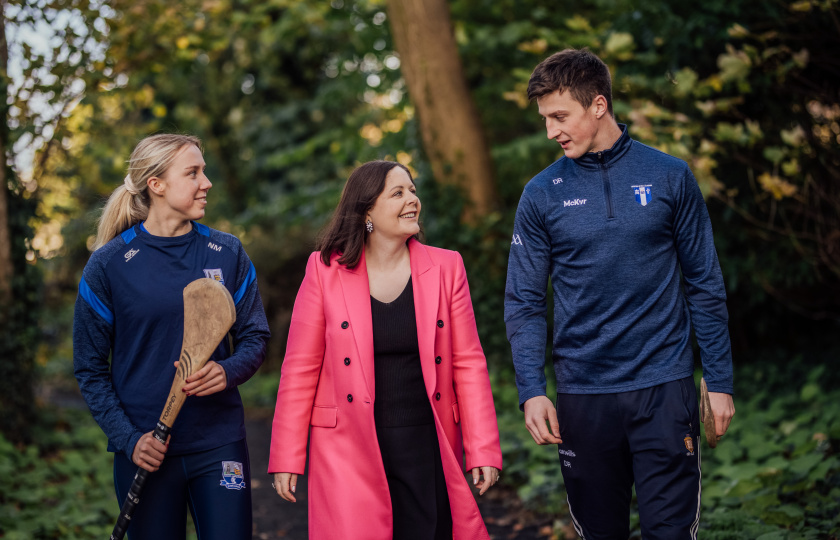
574,202
131,253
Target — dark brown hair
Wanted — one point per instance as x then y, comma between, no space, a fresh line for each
577,70
346,233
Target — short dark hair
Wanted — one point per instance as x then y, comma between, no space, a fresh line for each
346,233
579,71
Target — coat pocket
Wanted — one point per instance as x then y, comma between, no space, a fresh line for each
456,412
324,416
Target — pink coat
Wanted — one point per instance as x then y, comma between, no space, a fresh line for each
327,390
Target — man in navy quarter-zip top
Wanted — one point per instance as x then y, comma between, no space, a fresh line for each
623,233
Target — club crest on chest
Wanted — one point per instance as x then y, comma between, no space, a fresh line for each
643,193
214,273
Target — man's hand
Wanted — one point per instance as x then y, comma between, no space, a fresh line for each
723,409
208,380
540,410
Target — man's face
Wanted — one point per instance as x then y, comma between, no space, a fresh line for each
568,123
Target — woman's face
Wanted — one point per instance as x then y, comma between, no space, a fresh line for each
396,212
185,185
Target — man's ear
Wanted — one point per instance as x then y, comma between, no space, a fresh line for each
156,185
601,108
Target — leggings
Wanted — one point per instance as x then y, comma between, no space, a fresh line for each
214,484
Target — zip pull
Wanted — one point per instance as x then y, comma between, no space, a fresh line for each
601,157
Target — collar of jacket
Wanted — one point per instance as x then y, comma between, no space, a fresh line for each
593,160
426,279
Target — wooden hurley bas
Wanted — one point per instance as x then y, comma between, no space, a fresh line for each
209,313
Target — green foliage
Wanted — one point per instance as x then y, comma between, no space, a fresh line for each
287,96
738,105
45,84
61,488
260,391
19,335
779,465
775,473
290,95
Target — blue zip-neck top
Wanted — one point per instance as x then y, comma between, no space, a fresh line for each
625,238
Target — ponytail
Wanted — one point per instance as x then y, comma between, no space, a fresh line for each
129,204
122,211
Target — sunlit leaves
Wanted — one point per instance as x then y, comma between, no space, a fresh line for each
619,46
685,80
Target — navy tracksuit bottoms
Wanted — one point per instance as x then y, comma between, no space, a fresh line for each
650,437
214,484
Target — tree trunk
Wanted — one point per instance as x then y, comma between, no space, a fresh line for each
449,122
6,268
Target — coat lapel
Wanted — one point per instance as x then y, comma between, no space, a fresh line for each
354,284
426,278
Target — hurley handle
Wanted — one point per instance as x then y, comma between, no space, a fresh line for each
209,313
133,498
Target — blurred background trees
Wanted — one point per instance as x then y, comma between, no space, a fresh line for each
290,95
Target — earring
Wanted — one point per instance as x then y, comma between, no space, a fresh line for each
369,226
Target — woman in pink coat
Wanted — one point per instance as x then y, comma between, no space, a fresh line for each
385,374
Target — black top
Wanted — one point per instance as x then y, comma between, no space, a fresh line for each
400,392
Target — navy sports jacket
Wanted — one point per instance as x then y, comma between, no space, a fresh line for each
130,308
625,238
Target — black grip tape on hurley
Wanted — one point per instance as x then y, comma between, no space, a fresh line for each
161,433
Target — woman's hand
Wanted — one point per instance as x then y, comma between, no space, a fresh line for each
489,476
284,484
148,452
208,380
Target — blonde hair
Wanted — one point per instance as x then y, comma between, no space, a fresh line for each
129,203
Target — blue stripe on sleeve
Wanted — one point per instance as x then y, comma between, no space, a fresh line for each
94,302
252,275
203,230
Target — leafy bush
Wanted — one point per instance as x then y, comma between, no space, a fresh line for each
60,487
778,465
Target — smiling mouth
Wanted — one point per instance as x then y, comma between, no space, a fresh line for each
409,215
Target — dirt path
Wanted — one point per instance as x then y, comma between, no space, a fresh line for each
275,518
